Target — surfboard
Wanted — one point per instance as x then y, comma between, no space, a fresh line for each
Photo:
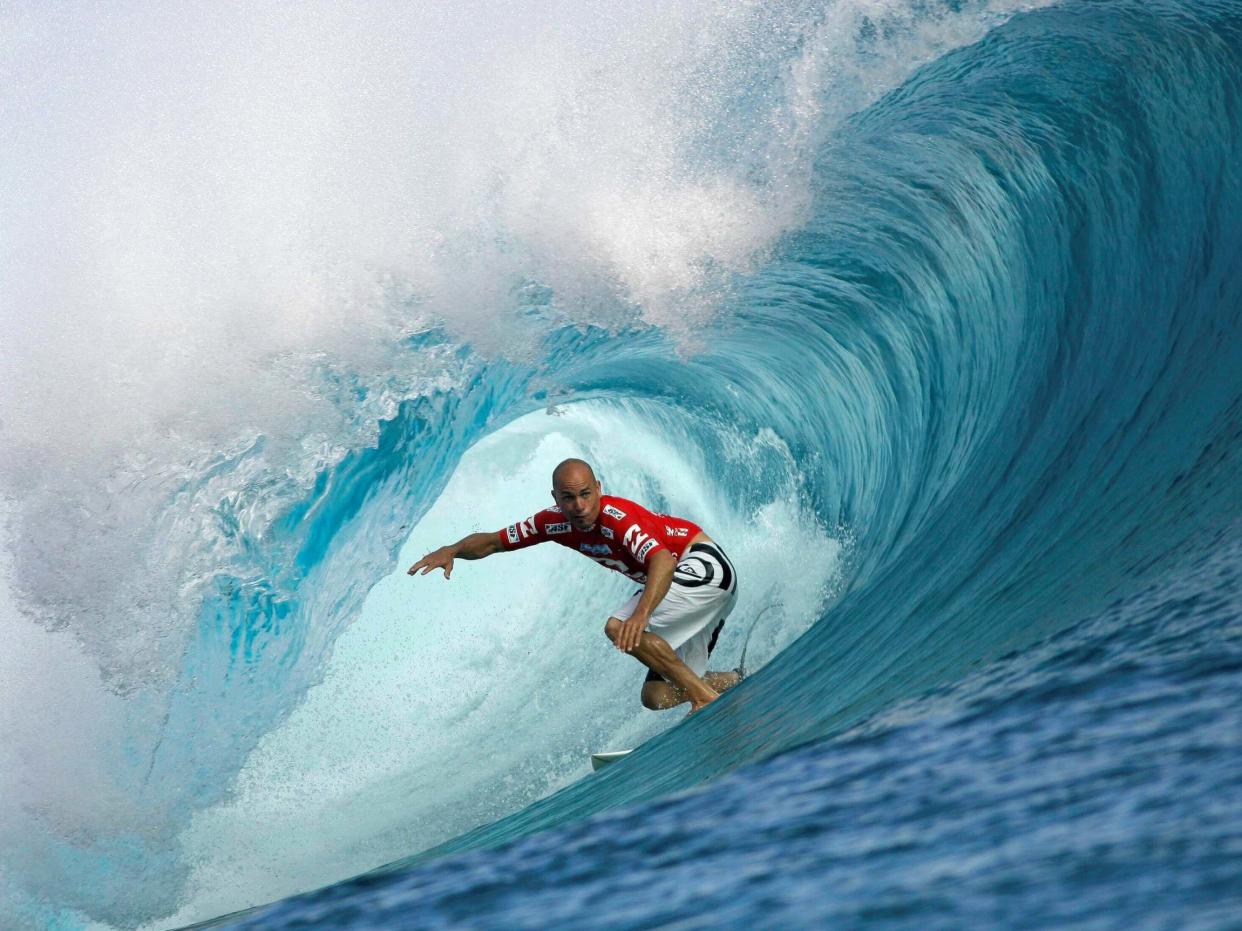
607,758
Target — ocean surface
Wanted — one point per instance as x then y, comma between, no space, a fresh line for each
929,312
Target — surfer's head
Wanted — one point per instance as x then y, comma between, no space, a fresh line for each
576,491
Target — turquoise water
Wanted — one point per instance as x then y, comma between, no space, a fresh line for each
1005,353
966,404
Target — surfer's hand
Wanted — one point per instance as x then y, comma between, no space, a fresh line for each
438,559
632,631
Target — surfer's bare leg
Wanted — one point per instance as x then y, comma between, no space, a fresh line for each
654,652
660,695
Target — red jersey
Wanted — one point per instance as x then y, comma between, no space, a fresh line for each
624,537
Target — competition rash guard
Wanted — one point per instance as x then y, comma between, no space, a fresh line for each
624,537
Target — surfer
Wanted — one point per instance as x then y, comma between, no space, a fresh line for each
672,623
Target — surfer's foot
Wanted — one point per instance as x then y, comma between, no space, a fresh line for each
696,706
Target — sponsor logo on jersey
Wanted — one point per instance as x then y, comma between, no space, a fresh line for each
607,533
512,533
556,528
676,531
634,538
555,507
646,548
529,529
596,549
614,512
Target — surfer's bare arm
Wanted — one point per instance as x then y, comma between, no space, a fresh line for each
474,546
659,577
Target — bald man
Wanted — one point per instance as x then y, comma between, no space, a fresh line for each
689,586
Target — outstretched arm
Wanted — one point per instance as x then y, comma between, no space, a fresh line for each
475,546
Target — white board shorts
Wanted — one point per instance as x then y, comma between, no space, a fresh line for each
690,616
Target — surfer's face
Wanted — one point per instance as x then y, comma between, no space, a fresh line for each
578,498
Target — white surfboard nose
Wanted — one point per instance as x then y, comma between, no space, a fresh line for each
600,760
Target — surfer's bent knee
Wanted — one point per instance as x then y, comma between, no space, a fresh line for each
612,628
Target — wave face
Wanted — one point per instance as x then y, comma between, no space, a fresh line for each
949,353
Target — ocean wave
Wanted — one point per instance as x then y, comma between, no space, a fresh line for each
977,316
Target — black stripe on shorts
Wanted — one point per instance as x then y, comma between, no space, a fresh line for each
709,571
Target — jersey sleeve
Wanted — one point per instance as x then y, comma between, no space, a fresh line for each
528,532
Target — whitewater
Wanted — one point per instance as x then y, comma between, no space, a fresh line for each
941,297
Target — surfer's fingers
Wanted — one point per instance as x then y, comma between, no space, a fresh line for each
627,636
